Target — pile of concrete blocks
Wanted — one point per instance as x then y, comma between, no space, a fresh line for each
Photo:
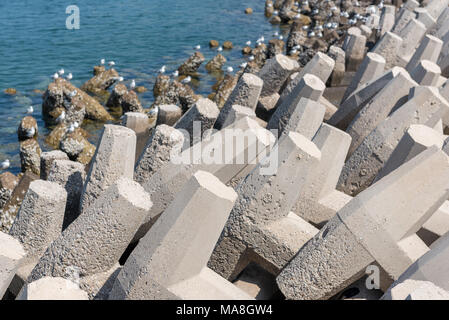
334,185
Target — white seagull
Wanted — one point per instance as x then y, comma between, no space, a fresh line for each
175,73
69,76
133,85
76,124
102,61
30,110
248,43
230,69
5,164
55,76
186,80
251,58
162,70
198,47
220,49
61,72
243,65
111,63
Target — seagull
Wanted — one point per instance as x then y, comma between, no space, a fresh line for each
275,13
243,65
5,164
319,34
198,47
76,124
311,34
30,110
154,111
102,61
121,79
133,85
269,5
248,43
276,34
162,70
61,72
380,5
220,49
297,47
55,76
175,73
305,27
328,25
315,11
319,27
261,39
186,80
30,132
230,69
61,117
281,37
251,58
69,76
111,63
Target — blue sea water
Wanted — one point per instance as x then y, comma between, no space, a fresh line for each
139,35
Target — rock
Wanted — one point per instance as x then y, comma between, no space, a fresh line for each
248,10
77,148
57,98
168,114
161,85
275,46
102,80
228,45
247,50
126,100
8,182
141,89
10,91
192,64
224,89
178,94
275,20
216,63
26,127
213,43
58,133
30,156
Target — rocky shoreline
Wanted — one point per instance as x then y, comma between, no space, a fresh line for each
358,93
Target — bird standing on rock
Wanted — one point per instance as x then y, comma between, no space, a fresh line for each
69,76
132,85
111,64
230,69
102,62
162,70
55,76
175,73
248,43
220,49
30,110
61,72
198,47
5,164
186,80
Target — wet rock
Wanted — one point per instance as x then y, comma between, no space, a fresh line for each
275,20
247,50
216,63
192,64
177,94
213,43
11,207
77,148
123,99
11,91
228,45
141,89
161,85
30,156
58,133
224,89
27,129
102,81
61,96
8,182
275,46
248,10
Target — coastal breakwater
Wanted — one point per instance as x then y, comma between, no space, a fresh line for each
351,111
